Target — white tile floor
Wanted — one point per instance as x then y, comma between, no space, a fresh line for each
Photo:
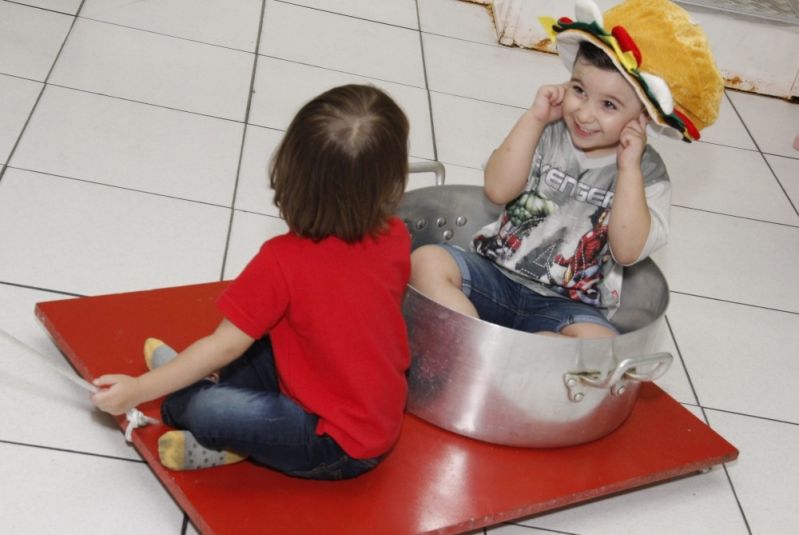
133,141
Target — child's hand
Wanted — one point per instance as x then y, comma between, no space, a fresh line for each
119,397
547,103
632,142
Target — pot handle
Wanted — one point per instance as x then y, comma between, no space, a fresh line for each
429,166
617,379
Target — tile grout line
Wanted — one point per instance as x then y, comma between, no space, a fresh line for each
151,104
312,8
330,69
684,365
232,49
40,8
426,82
717,299
762,154
243,140
707,421
743,217
226,47
538,528
703,411
735,495
126,188
158,194
702,407
779,182
39,289
41,92
740,118
75,452
162,34
753,416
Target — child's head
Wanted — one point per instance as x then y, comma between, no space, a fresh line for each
662,54
598,102
342,166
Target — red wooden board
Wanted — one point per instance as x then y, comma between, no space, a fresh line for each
433,481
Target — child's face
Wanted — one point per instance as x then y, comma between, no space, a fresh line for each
597,106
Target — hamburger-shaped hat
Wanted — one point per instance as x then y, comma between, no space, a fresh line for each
659,50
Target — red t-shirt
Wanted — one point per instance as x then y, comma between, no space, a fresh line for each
333,312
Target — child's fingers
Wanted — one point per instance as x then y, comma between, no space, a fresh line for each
105,400
558,92
108,379
635,128
99,399
543,92
635,125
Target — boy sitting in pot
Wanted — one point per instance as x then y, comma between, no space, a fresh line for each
583,193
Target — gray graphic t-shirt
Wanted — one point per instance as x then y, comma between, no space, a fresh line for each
553,238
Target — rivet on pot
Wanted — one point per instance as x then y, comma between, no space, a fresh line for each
441,221
578,396
619,390
460,221
420,224
447,234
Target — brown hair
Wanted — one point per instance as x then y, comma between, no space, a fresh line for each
342,165
593,55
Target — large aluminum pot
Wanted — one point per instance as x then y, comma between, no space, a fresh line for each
510,387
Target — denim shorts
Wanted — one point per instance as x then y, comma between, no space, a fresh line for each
503,301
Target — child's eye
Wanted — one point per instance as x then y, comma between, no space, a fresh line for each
609,105
577,89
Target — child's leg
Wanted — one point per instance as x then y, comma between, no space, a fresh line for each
254,369
556,316
268,427
246,413
179,450
436,275
587,330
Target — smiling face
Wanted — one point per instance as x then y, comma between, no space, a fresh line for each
597,106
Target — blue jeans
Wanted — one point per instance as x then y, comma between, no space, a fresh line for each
503,301
246,413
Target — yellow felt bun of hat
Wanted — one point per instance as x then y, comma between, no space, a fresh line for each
676,49
659,50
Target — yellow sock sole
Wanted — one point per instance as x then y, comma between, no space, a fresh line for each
179,450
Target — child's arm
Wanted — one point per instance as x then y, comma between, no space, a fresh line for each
509,165
630,219
201,358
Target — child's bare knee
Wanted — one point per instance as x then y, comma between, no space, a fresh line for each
432,264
